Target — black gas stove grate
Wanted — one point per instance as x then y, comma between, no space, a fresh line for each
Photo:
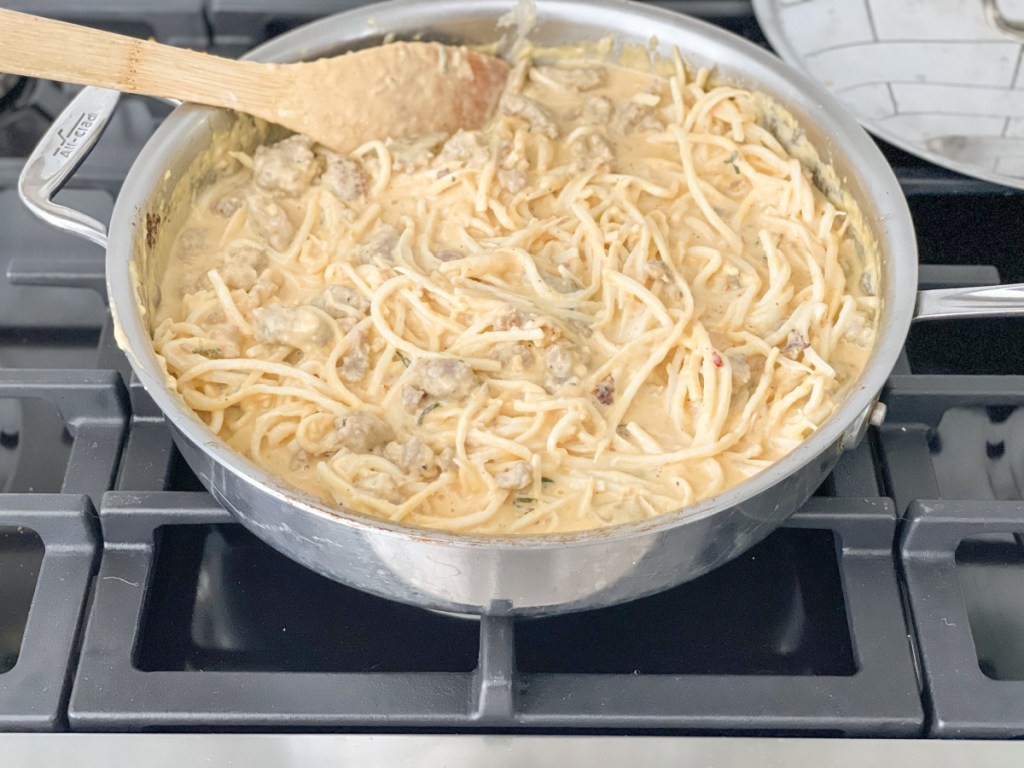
92,405
39,644
176,22
971,650
181,636
155,656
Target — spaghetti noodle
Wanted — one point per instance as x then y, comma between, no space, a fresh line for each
618,298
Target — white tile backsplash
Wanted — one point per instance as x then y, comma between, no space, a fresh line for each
986,64
933,74
1015,127
937,19
920,128
1012,164
958,99
871,100
825,23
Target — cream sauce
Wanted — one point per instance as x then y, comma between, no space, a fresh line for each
620,297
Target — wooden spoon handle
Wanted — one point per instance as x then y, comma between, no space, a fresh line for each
56,50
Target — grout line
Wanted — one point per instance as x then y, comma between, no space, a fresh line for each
943,83
871,19
872,43
892,97
950,114
1016,68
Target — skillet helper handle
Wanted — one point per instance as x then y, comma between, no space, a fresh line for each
987,301
939,304
56,158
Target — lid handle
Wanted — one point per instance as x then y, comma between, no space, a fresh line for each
996,19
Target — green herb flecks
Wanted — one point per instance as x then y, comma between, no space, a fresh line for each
522,501
402,359
731,160
423,414
210,354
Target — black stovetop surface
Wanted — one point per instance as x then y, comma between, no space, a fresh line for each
891,605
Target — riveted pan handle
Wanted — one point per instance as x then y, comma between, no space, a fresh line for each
57,156
938,304
988,301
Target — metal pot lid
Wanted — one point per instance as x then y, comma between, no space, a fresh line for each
941,79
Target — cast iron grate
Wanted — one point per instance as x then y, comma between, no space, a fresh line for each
113,692
965,698
991,576
21,554
92,405
41,603
177,22
778,609
219,599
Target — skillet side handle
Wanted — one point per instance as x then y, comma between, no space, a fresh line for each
988,301
57,156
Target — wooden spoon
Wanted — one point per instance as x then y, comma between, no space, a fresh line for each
400,90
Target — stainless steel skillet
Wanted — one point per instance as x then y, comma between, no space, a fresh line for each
478,574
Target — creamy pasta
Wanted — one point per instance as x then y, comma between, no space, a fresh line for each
619,297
